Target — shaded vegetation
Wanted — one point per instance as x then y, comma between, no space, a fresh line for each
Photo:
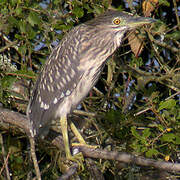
136,100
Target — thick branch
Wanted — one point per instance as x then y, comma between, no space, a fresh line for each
128,158
8,117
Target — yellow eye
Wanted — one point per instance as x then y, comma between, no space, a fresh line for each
116,21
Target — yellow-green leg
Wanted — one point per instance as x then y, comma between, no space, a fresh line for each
64,129
77,134
79,137
78,157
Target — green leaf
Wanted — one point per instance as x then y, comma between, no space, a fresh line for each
143,149
152,152
98,9
167,104
86,6
31,33
22,49
120,8
77,11
33,18
178,115
168,137
174,35
12,20
18,11
13,2
160,127
135,133
7,81
177,141
136,61
22,26
64,27
164,2
146,132
20,37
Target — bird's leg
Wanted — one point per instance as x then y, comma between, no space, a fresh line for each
77,133
78,157
81,140
64,129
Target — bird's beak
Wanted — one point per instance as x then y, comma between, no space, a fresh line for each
139,21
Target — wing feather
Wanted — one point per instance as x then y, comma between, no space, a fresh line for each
57,80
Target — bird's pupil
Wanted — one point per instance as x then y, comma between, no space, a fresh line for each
117,21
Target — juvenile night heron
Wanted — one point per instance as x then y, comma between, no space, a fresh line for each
73,68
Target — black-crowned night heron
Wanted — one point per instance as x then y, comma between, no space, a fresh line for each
73,68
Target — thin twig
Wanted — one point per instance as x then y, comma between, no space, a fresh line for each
147,109
11,44
34,158
176,12
21,75
84,113
5,158
165,45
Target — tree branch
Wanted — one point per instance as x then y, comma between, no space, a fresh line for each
11,119
128,158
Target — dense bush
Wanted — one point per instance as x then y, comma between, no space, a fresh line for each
136,100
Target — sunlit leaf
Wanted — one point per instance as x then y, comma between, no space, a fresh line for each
33,18
98,9
12,20
22,26
167,104
18,10
146,132
22,49
164,2
177,141
152,152
174,35
78,11
7,81
135,133
168,137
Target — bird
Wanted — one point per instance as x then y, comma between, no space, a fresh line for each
73,68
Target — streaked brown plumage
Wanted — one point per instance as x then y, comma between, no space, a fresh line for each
74,66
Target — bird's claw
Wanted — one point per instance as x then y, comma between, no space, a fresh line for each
86,145
77,158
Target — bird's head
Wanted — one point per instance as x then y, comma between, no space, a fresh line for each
108,29
119,21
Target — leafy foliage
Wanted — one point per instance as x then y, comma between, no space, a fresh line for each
136,98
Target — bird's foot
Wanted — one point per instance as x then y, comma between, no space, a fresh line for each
86,145
77,158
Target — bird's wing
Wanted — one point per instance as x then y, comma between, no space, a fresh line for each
58,79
